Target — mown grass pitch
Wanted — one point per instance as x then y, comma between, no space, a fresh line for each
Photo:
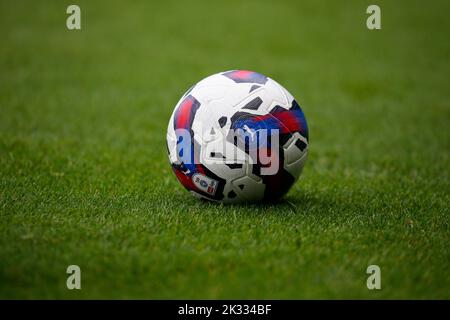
85,180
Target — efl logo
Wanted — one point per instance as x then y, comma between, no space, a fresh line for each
205,183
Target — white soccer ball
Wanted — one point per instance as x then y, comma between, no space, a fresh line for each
237,136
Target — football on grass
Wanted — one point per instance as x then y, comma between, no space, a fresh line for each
237,136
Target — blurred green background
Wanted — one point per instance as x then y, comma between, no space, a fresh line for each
85,180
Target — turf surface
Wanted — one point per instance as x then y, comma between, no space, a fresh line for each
84,176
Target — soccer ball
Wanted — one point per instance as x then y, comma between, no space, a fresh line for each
237,136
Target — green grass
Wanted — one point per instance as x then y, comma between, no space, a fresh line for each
85,179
